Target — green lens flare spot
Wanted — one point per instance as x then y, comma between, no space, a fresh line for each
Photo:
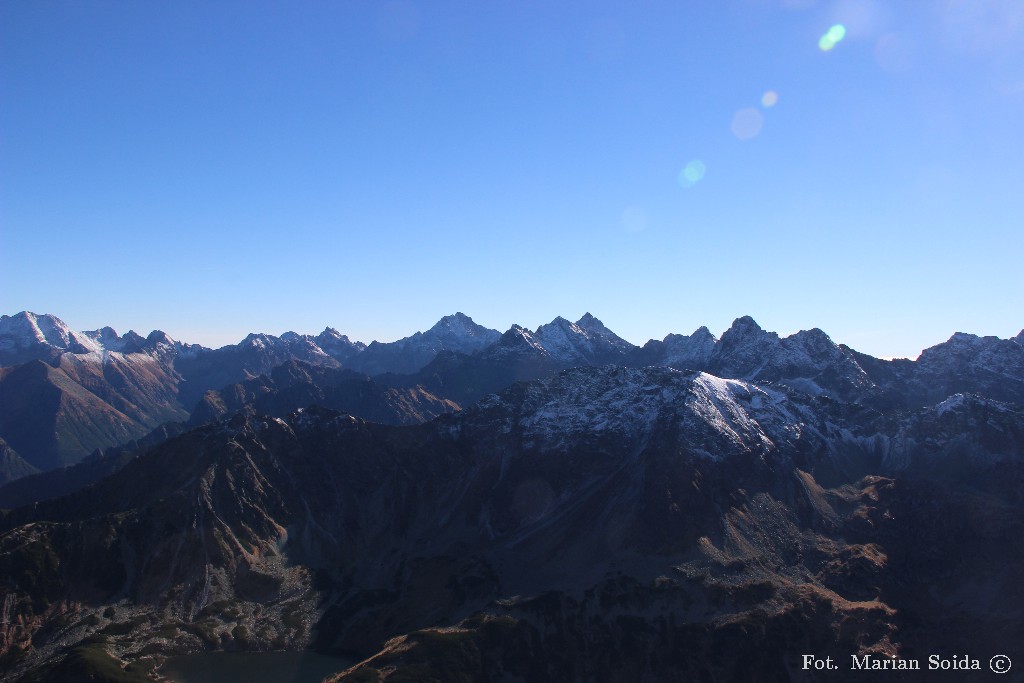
692,173
832,37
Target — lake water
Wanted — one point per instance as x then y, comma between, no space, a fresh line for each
253,667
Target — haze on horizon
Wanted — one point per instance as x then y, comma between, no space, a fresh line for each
214,170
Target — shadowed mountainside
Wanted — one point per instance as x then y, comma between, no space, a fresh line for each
604,523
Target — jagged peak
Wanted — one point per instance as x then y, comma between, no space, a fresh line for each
518,336
814,335
27,316
701,334
292,337
745,325
460,323
34,321
27,329
813,332
159,337
962,342
743,331
331,336
632,402
572,342
558,322
517,332
258,339
589,322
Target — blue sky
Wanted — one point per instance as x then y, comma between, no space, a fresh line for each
212,169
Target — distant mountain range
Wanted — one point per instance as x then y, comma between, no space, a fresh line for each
464,504
65,395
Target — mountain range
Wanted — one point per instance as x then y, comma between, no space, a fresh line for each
66,395
556,504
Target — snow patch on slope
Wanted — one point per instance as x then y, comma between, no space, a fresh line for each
26,330
627,405
717,401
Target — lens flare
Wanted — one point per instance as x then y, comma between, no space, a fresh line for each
769,99
832,37
746,123
692,173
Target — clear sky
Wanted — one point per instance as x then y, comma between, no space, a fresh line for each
212,169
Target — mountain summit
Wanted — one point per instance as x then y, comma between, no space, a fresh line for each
585,342
26,336
456,333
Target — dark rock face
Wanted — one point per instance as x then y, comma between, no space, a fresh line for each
967,363
12,465
38,486
296,384
255,355
603,523
516,356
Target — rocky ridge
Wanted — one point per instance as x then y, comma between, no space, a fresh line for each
605,522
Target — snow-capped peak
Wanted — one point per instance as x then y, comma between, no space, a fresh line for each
257,341
743,326
106,337
559,326
330,333
721,415
458,332
520,337
159,338
682,351
338,345
26,330
592,324
585,342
